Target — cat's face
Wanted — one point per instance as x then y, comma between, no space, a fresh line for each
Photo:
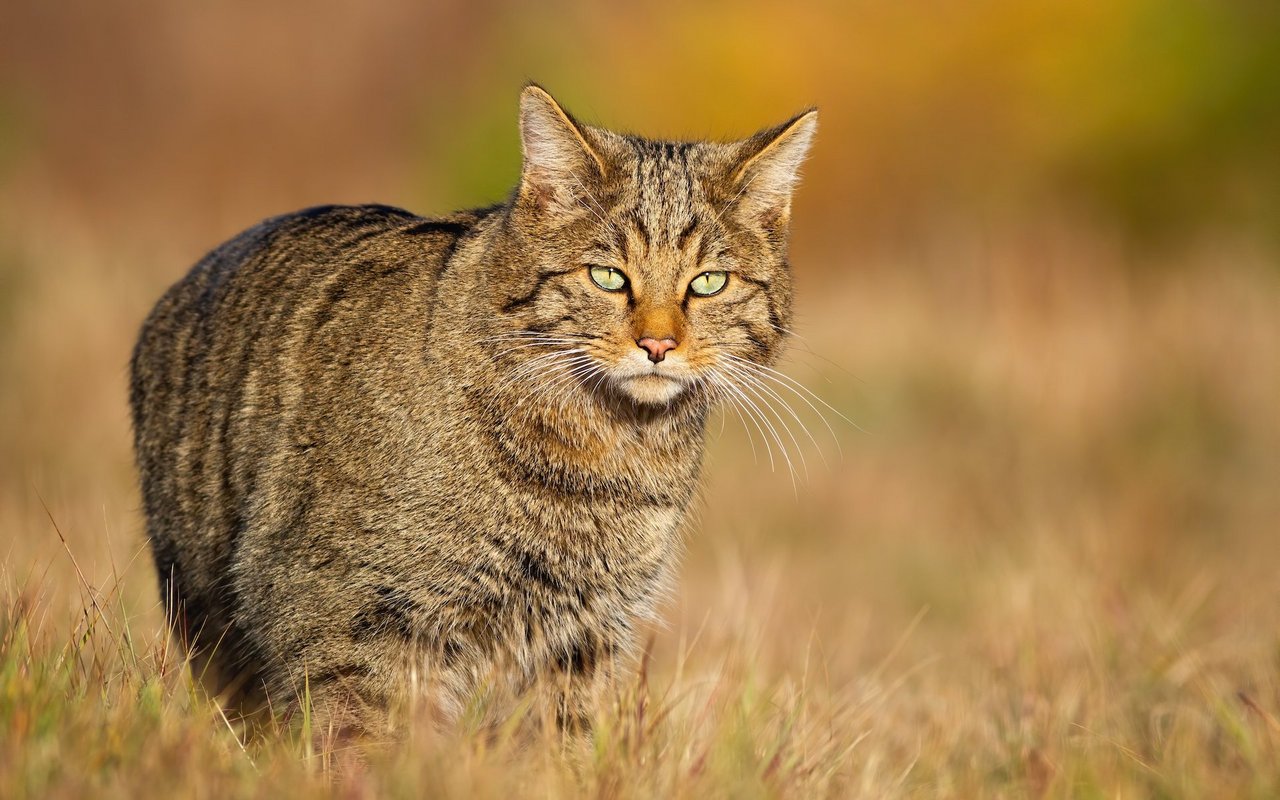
651,270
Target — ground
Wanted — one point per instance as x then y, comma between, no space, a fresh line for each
1043,563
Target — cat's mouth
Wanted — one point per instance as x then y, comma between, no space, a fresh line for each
654,388
648,383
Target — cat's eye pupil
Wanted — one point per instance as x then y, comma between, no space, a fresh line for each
709,283
608,278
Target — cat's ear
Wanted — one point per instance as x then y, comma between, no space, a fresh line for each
768,169
559,161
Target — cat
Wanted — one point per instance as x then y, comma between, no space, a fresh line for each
385,456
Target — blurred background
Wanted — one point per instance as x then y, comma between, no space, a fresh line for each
1036,254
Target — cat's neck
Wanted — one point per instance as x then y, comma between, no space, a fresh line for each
593,420
587,441
590,442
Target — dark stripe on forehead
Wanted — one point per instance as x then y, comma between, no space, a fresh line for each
704,243
682,239
665,186
638,223
620,241
688,174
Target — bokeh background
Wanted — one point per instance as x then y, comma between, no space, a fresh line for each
1036,251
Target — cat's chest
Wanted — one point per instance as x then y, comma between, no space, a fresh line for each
599,571
600,541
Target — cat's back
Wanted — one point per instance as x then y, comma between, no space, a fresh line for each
318,259
263,352
282,297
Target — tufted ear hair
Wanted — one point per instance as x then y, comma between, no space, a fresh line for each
769,169
559,161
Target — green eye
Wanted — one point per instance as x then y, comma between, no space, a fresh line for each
608,278
709,283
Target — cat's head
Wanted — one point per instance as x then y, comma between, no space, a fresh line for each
653,270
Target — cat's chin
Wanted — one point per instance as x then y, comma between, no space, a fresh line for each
655,390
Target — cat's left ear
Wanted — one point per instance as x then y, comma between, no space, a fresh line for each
559,160
769,169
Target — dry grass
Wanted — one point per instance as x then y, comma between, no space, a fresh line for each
1046,568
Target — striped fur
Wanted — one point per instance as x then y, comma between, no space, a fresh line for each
405,459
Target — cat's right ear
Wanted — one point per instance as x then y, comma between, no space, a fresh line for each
559,161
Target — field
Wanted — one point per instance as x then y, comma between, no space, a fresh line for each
1043,567
1036,553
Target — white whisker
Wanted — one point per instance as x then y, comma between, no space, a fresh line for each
760,378
533,365
575,374
744,403
799,390
721,394
768,397
777,437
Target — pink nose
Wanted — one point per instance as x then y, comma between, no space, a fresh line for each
657,347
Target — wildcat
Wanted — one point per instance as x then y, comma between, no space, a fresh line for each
385,456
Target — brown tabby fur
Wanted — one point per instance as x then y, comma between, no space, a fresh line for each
391,458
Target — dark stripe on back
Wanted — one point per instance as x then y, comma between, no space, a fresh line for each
452,227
